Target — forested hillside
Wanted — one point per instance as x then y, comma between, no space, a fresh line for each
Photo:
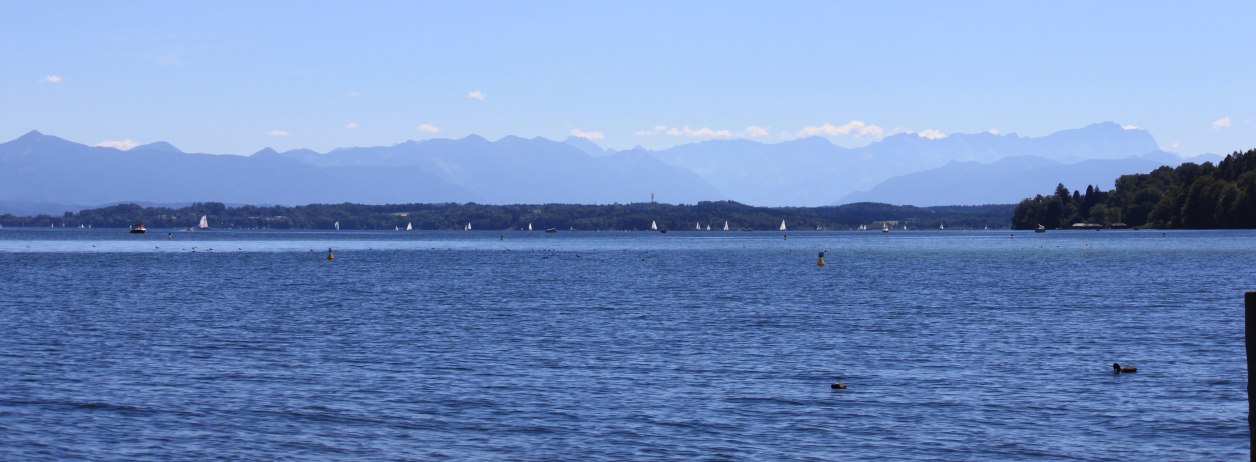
1193,196
541,216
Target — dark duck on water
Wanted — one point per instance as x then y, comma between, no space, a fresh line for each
1118,369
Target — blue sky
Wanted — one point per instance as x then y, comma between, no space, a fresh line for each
234,77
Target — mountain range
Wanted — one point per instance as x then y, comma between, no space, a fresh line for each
48,174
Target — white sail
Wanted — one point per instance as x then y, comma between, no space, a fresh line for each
697,226
708,227
204,222
529,226
409,227
654,225
725,225
468,227
782,225
396,228
941,227
337,225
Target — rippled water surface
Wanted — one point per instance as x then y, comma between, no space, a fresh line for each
614,346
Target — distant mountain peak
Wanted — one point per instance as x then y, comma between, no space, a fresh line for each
586,145
159,146
267,151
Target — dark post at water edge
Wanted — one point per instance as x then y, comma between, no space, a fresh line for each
1249,316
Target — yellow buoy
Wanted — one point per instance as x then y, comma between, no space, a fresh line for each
330,257
820,261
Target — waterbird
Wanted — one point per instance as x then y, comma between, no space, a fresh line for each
1118,369
838,386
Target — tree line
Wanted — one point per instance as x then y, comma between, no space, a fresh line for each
1192,196
636,216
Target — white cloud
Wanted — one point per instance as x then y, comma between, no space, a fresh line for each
53,78
276,133
591,135
755,131
703,132
476,95
428,128
855,127
121,145
1223,122
654,131
993,131
1129,127
932,134
351,125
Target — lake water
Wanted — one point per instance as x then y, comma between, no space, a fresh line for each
620,346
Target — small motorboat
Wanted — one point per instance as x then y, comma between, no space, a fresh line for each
138,228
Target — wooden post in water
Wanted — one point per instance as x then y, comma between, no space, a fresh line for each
1249,317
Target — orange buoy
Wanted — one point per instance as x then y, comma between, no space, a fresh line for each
330,257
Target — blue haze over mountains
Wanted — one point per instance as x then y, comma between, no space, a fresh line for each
45,174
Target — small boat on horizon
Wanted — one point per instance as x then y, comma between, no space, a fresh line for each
204,224
782,225
336,225
138,228
1040,229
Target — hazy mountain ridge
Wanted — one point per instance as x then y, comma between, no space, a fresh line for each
1005,181
38,168
822,172
904,168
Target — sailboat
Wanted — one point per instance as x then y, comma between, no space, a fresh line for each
708,227
725,225
467,228
529,226
396,228
204,224
941,227
654,225
337,225
409,227
782,225
697,226
885,227
904,227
